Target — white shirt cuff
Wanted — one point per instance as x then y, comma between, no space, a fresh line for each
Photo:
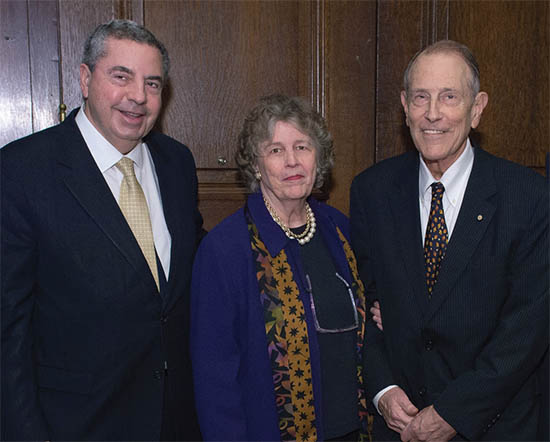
379,395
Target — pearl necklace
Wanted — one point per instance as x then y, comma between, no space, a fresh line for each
303,237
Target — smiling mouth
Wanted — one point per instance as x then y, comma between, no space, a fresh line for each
131,114
433,131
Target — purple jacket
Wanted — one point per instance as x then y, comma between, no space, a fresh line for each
232,372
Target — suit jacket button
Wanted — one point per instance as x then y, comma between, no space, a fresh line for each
158,374
429,345
422,391
163,319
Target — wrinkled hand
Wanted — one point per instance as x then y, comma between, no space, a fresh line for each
377,314
428,425
397,409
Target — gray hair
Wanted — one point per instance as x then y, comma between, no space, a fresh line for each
447,47
94,48
258,128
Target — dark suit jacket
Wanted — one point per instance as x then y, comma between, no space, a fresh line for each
85,335
471,350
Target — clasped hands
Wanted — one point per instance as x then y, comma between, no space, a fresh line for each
402,416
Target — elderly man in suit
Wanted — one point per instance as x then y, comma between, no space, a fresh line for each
99,228
453,242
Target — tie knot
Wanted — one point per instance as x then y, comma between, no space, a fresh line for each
126,166
437,189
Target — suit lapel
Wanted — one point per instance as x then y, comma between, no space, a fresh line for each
170,204
406,217
475,215
85,181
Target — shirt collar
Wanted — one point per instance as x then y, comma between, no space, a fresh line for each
451,178
104,153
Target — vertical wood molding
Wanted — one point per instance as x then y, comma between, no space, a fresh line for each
440,20
319,25
15,96
349,89
77,19
130,10
43,19
434,21
396,19
418,23
312,41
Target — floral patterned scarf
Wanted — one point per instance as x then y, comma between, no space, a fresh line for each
288,341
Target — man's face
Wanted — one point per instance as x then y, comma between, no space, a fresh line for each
440,108
123,93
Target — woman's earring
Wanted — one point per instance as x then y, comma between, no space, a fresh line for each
258,175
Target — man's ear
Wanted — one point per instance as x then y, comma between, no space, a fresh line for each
85,78
480,101
405,106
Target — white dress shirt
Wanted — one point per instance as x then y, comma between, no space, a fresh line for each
454,179
106,156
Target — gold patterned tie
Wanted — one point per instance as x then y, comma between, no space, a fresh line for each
435,243
134,208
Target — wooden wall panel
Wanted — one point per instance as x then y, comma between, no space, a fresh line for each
347,57
403,28
511,41
225,55
15,90
402,31
44,63
30,72
77,20
350,91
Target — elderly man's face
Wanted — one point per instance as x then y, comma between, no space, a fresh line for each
123,93
440,108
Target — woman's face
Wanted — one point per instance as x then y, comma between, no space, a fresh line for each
287,164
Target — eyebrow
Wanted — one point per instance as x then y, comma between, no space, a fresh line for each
129,71
278,143
155,77
446,89
121,69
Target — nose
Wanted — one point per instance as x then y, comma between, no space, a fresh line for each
433,111
290,158
136,92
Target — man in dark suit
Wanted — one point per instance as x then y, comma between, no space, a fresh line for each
453,242
99,228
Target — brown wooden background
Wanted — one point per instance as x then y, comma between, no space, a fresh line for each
347,57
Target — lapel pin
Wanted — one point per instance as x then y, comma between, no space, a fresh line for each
480,217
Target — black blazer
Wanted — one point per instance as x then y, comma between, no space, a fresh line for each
85,335
471,350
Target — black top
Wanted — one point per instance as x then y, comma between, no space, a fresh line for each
334,310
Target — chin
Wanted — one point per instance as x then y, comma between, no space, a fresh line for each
435,153
296,196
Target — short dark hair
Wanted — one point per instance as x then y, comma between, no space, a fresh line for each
94,48
446,47
258,128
